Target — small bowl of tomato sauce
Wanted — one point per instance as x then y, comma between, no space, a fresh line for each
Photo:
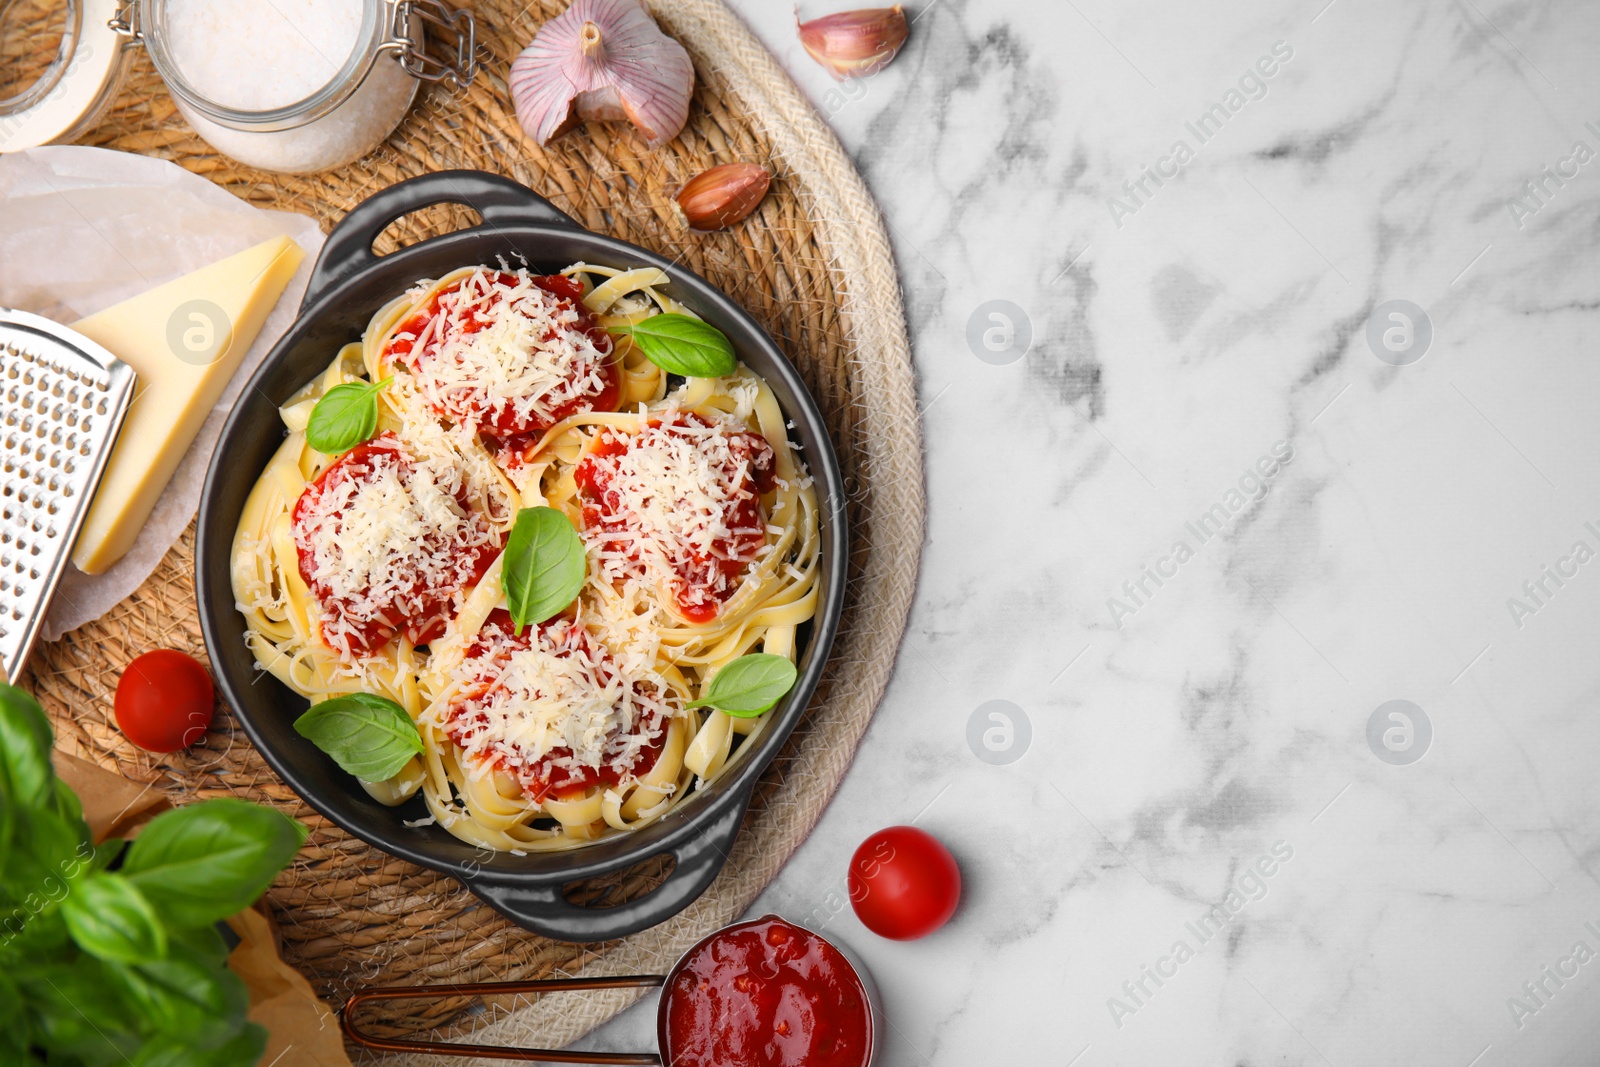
767,993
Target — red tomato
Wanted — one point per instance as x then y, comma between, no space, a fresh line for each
164,701
904,884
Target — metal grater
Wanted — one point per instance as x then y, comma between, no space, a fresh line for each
62,401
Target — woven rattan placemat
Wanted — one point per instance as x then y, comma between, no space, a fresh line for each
813,265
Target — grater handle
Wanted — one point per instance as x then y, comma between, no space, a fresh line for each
500,201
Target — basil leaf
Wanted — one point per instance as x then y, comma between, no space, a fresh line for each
169,1050
26,778
74,1017
682,344
105,853
750,685
11,1015
67,803
369,736
35,937
205,861
204,944
108,917
188,993
345,416
544,566
47,851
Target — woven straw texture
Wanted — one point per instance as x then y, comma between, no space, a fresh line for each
813,265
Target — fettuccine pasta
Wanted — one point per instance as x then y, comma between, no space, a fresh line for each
378,570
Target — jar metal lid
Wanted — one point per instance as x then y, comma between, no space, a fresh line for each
78,85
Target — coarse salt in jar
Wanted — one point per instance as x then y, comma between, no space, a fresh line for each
287,85
293,85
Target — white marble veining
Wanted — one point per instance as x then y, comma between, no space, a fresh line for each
1185,731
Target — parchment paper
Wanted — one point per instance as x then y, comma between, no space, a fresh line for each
84,228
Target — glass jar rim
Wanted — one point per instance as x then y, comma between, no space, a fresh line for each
368,46
78,83
29,95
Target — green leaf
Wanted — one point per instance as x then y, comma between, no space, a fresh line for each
205,861
177,1051
34,935
108,917
750,685
48,852
10,1004
67,803
203,943
543,568
345,416
371,737
187,994
26,778
76,1014
683,344
106,853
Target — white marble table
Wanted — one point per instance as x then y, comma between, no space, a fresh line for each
1422,527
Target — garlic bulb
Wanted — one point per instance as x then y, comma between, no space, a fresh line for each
854,44
604,60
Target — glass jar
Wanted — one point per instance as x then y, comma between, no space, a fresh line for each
293,86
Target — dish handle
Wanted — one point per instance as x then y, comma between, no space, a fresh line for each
500,201
542,908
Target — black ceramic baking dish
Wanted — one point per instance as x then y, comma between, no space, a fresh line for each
348,285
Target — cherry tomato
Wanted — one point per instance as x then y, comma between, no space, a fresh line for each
904,884
164,701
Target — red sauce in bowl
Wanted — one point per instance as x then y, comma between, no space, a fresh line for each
765,994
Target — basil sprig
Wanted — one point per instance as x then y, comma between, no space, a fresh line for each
543,567
346,416
682,344
369,736
750,685
126,965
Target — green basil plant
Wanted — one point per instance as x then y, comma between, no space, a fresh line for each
110,954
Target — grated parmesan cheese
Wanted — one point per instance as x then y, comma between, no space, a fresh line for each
555,699
677,505
385,543
503,355
450,447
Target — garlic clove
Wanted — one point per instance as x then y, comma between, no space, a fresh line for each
853,44
602,60
723,195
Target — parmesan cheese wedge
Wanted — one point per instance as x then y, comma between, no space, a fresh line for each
184,340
